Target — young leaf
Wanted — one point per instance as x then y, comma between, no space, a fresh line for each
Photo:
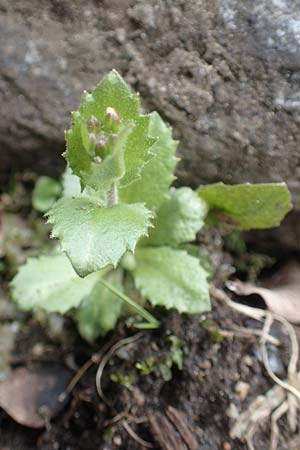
50,283
248,205
45,193
157,174
93,236
71,184
179,217
171,278
100,310
128,148
103,173
72,188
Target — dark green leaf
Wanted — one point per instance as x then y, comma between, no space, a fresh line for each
246,206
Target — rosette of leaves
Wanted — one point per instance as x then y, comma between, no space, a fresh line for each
117,216
119,220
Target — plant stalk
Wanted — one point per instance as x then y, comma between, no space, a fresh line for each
113,195
152,321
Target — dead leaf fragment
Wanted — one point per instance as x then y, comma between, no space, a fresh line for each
281,293
31,397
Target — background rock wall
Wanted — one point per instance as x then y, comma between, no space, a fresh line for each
224,73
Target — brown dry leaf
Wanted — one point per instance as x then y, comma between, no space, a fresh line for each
31,397
281,293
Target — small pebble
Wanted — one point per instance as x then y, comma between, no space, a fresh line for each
247,360
226,446
242,389
205,364
117,440
38,349
232,411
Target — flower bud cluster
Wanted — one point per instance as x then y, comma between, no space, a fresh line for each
102,135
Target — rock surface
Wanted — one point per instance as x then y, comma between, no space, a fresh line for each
224,73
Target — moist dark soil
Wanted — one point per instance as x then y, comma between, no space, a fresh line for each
201,392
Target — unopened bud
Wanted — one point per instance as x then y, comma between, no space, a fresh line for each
102,143
97,159
93,123
92,138
102,146
112,119
92,141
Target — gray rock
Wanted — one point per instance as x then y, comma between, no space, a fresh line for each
225,74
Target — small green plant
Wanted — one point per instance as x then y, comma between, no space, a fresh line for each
119,220
162,365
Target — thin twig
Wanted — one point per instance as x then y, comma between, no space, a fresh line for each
247,333
94,359
116,419
105,360
134,436
276,415
249,311
287,386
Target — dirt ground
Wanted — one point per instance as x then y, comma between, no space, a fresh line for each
203,390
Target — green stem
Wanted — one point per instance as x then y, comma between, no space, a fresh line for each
153,322
113,195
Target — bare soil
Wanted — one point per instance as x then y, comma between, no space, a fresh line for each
202,391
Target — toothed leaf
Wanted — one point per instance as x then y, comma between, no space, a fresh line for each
93,236
124,152
172,278
157,174
71,184
179,217
50,283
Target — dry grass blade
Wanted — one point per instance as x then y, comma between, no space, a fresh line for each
281,293
107,357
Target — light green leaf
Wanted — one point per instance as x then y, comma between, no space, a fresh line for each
201,253
172,278
248,205
93,236
45,193
129,148
112,92
72,188
50,283
100,310
71,184
157,174
179,217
